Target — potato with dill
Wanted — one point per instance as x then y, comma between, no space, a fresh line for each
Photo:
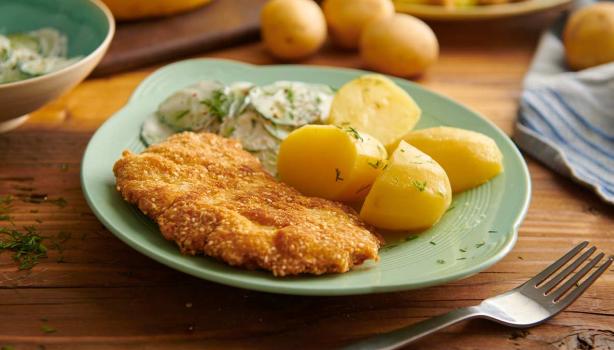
375,105
412,193
331,162
292,29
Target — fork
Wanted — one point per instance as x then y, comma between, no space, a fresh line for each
527,305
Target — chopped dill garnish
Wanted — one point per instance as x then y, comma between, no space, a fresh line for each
420,185
48,329
432,243
450,208
182,114
402,150
410,238
60,202
376,164
289,95
218,104
7,347
355,134
478,245
463,258
462,250
338,175
492,231
441,261
27,246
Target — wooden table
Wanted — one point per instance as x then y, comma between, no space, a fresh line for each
97,293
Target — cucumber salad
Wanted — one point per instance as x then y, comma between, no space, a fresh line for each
260,117
32,54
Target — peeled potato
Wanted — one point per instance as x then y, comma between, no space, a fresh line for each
347,18
412,193
399,45
468,157
589,36
375,105
292,29
330,162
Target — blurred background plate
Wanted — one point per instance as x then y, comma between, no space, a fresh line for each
478,230
441,12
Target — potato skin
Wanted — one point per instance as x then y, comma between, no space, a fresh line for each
375,105
399,45
468,157
330,162
411,194
589,36
346,19
292,29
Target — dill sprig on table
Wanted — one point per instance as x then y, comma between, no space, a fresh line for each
27,246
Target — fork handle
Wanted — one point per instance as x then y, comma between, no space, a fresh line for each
406,335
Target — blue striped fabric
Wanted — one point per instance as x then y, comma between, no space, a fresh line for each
566,119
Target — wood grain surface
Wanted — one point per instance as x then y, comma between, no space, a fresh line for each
97,293
219,24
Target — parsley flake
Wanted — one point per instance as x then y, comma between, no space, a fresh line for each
478,245
219,104
27,246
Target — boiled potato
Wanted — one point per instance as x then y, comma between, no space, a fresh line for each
292,29
589,36
400,45
375,105
412,193
468,157
347,18
330,162
139,9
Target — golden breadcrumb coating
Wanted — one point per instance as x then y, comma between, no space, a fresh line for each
210,196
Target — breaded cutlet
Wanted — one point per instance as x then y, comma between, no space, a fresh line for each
211,197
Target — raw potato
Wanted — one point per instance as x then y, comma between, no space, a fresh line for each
468,157
138,9
347,18
412,193
292,29
399,45
330,162
375,105
589,36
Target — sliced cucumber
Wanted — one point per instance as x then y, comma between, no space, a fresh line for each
249,129
201,106
268,159
51,42
238,96
154,131
24,41
292,103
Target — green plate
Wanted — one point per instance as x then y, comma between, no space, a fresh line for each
479,230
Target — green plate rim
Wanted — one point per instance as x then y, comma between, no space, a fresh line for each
237,281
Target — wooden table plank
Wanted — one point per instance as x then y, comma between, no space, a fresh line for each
104,295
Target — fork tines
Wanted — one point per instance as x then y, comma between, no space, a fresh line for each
554,292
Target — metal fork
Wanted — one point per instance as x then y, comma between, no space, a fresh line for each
527,305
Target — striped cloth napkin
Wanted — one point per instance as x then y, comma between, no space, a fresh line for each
566,118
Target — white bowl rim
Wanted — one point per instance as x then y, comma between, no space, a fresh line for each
85,60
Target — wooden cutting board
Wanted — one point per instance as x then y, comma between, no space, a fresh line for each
218,24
